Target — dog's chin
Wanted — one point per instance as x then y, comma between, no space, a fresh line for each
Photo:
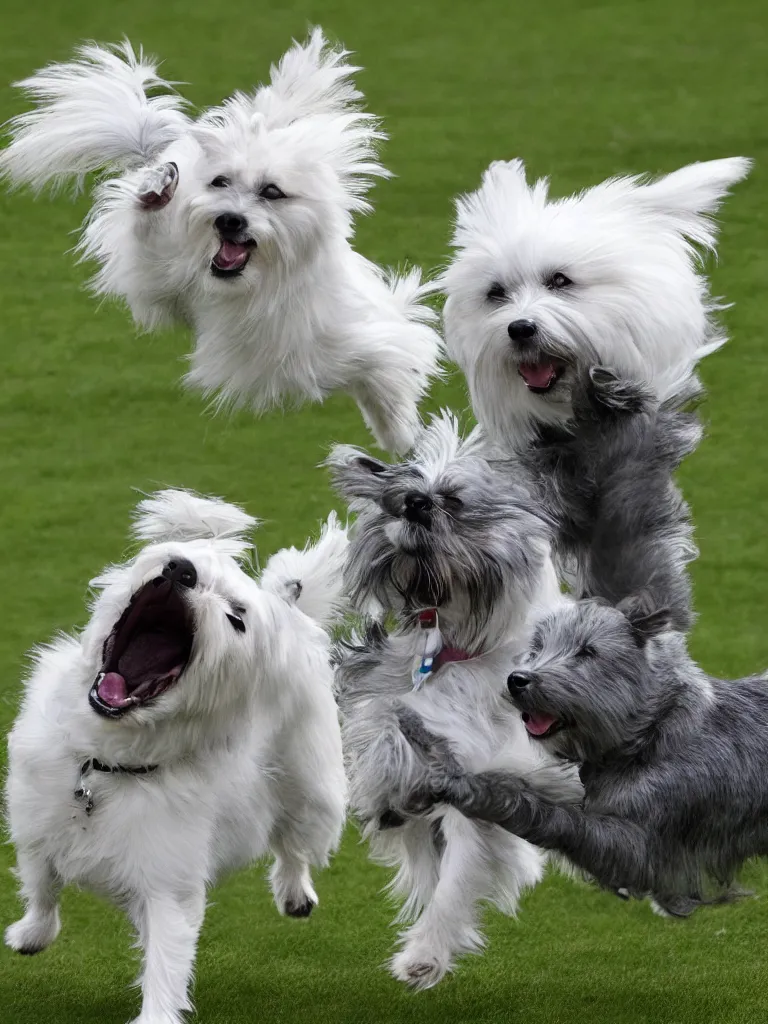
232,258
147,651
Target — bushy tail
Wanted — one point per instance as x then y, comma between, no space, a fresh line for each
92,113
409,291
312,579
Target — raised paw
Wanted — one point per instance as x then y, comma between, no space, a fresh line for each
609,393
418,968
33,933
434,749
158,186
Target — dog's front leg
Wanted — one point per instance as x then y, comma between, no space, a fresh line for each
40,888
448,925
615,851
168,925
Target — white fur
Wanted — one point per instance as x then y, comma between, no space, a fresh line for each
247,743
638,302
308,315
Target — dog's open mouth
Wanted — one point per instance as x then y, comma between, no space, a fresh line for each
232,258
146,652
541,377
540,726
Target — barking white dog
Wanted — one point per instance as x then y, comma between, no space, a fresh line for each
238,224
540,290
190,729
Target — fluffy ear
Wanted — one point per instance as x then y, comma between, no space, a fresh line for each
689,198
645,620
355,474
313,578
183,516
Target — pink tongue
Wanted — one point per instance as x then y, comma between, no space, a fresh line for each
537,725
537,375
231,255
112,690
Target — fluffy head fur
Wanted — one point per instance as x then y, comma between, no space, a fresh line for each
237,224
540,289
446,528
189,730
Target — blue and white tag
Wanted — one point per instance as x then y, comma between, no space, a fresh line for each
433,644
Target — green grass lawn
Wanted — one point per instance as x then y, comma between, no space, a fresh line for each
88,411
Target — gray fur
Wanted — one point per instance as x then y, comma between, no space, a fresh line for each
673,762
606,478
481,557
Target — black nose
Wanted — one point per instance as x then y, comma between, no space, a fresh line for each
522,330
518,680
230,224
418,508
181,571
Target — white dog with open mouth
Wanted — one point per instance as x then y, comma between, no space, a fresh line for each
238,224
539,290
190,729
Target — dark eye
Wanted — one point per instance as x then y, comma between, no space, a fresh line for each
496,293
586,651
272,192
537,643
236,618
452,503
221,181
558,281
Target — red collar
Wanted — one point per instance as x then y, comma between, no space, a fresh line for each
428,620
448,654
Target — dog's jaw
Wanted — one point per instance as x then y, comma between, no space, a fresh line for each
146,652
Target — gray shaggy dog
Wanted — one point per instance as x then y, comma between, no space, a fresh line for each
461,557
673,762
606,478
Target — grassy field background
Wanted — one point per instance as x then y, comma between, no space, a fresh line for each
88,411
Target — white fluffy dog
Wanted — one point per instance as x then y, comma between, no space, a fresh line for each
460,553
238,224
539,289
189,729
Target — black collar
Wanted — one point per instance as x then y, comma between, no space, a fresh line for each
94,765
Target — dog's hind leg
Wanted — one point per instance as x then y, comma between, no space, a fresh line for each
448,926
168,927
40,888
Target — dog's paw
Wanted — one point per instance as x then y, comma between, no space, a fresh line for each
158,186
301,909
419,968
33,933
292,888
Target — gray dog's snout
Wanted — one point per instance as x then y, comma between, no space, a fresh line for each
229,224
418,508
518,681
181,571
522,330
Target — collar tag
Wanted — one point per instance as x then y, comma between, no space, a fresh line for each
432,644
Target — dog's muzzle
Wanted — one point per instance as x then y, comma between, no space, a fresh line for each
150,645
236,245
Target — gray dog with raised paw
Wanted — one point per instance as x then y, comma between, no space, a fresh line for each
673,762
